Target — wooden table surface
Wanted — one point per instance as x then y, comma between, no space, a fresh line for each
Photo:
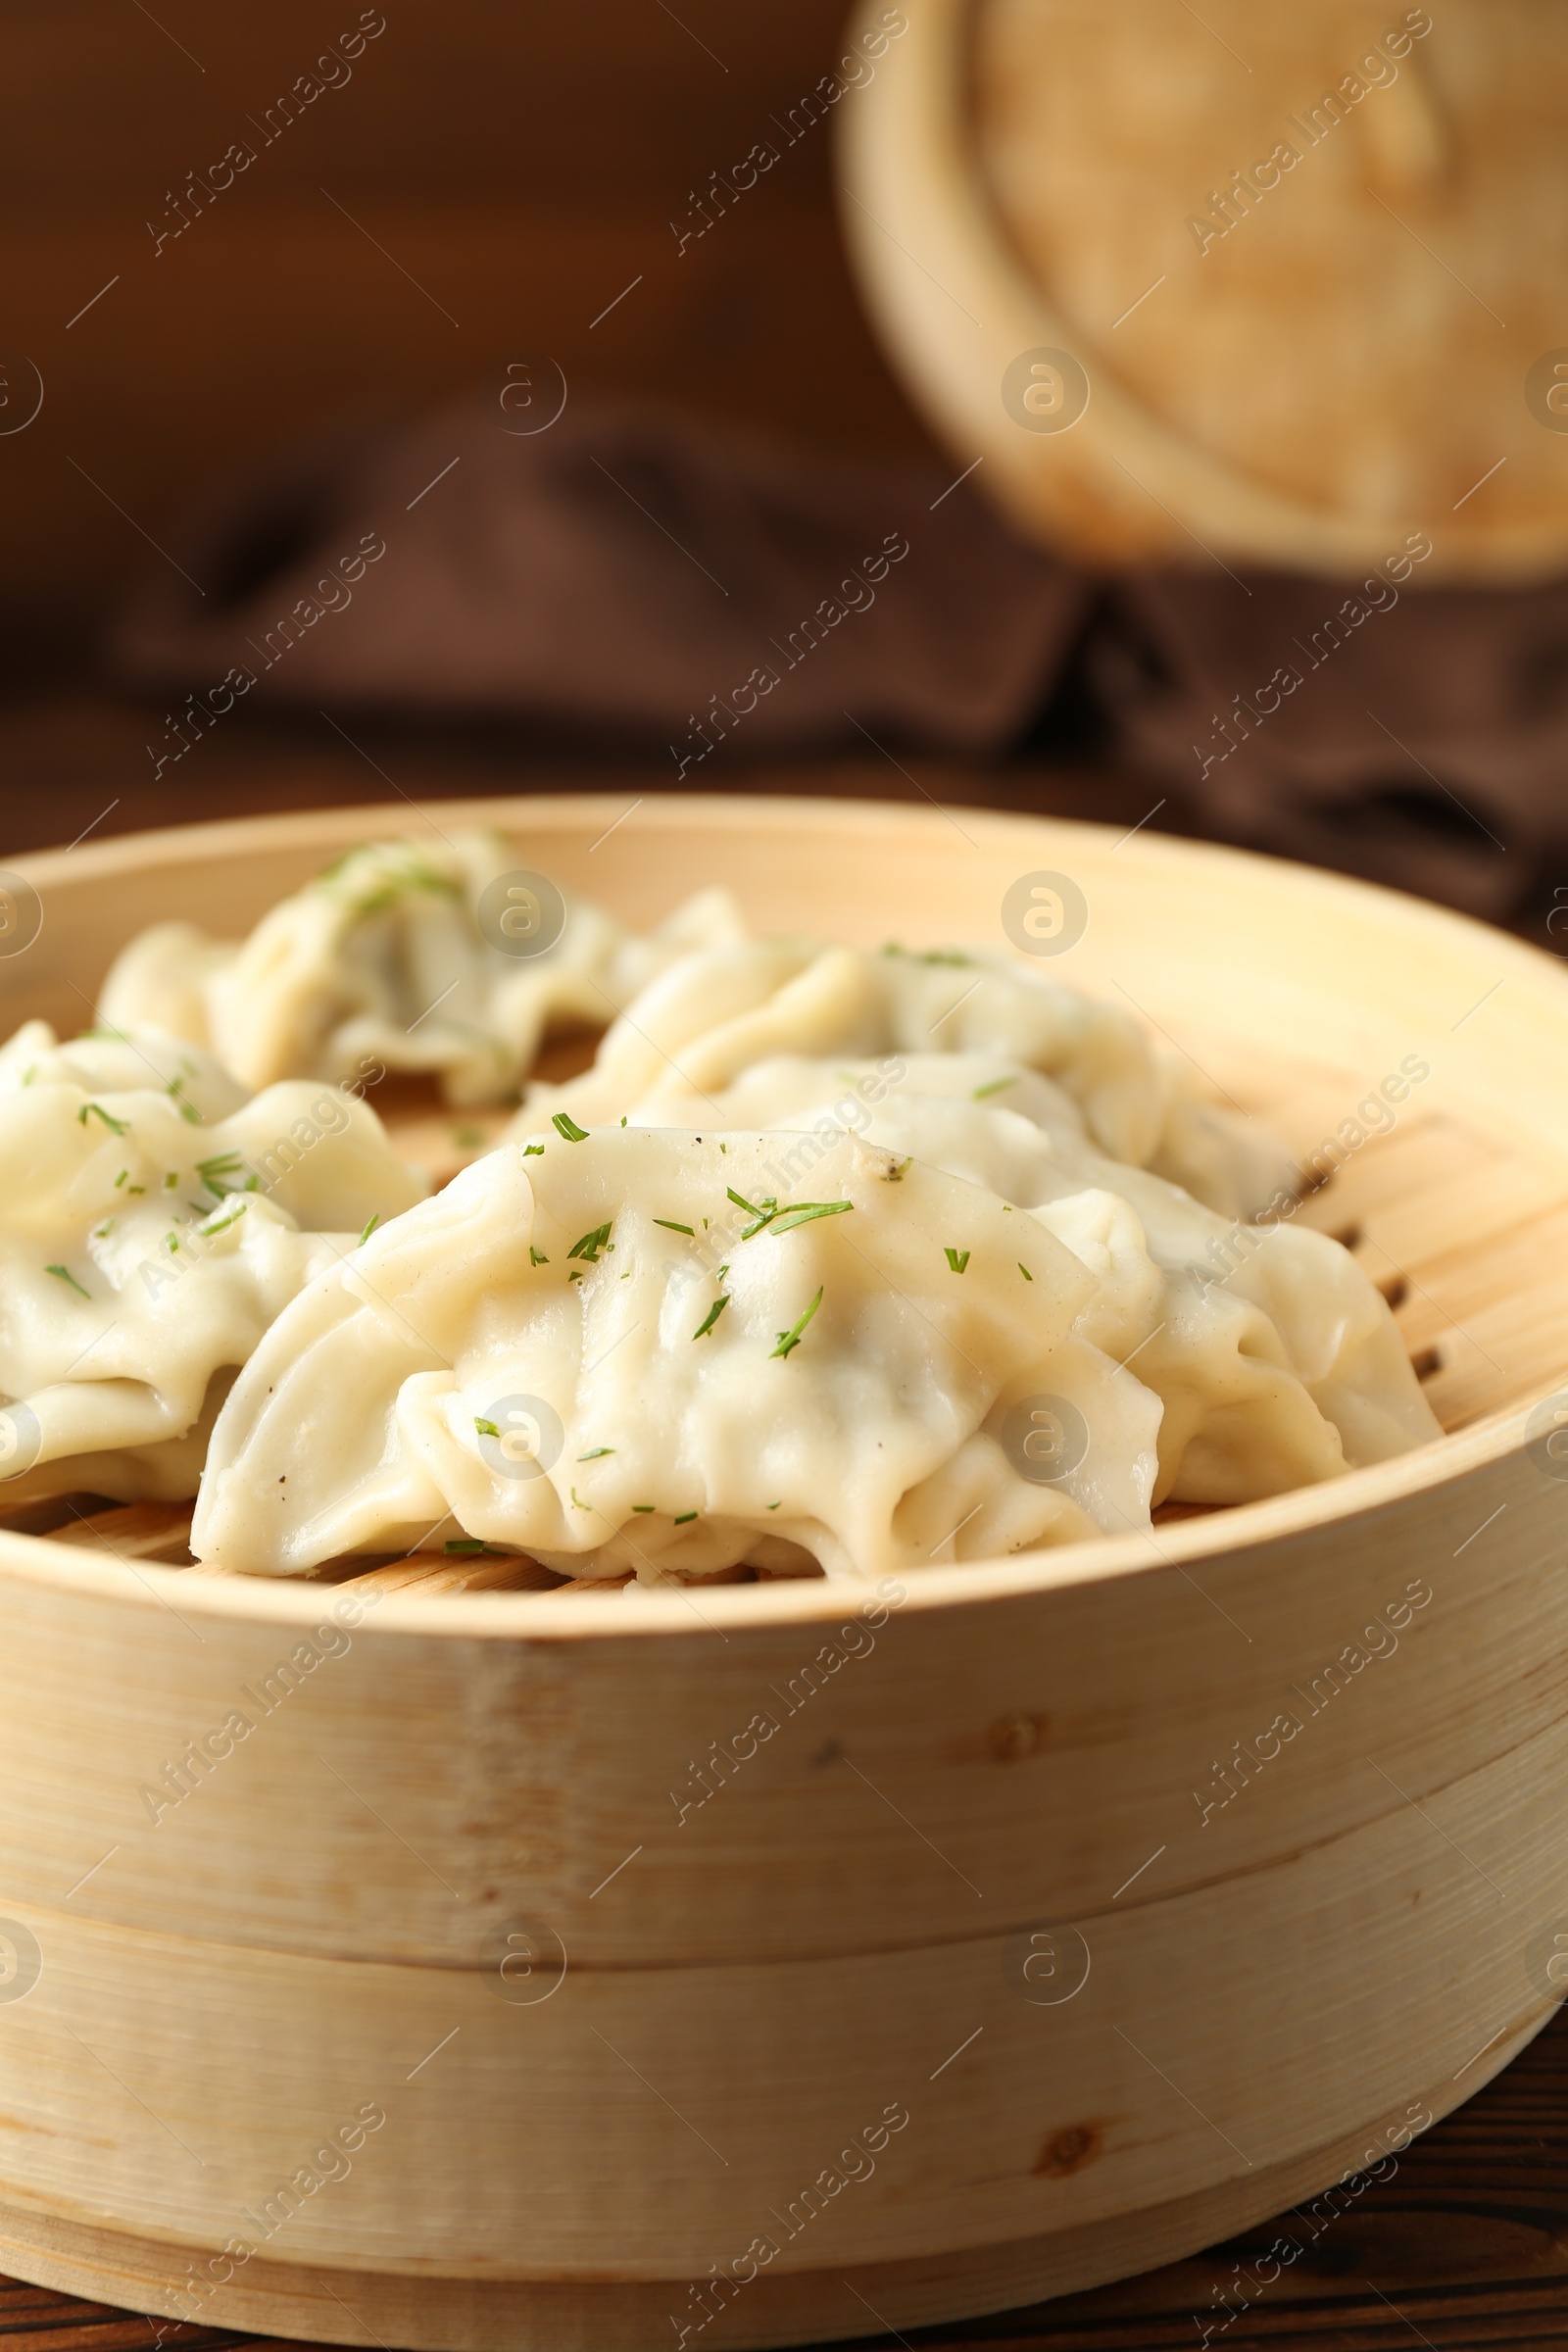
1466,2247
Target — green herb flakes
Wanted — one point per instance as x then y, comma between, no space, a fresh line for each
788,1340
114,1125
711,1318
785,1220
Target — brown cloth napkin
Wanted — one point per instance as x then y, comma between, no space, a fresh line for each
1416,735
633,577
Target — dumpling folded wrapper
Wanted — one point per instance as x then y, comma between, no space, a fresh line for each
143,1255
116,1061
1277,1362
718,1011
638,1352
384,959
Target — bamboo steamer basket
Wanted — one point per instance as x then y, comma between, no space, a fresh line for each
1292,368
971,1882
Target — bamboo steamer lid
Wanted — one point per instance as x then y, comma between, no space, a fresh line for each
1281,286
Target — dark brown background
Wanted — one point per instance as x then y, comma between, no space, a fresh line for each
523,163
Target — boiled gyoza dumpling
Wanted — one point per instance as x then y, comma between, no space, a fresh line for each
610,1352
395,955
1277,1362
706,1019
142,1255
844,1092
107,1061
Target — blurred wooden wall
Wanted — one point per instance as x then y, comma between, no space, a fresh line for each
520,163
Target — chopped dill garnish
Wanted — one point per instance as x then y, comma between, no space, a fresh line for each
64,1274
115,1126
792,1339
486,1429
567,1126
685,1518
927,954
533,1151
995,1088
763,1215
957,1260
712,1317
597,1454
538,1257
369,1229
670,1226
587,1246
785,1220
216,1173
1025,1271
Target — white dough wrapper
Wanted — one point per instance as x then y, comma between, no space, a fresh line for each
143,1255
1277,1361
608,1354
384,959
115,1061
703,1023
